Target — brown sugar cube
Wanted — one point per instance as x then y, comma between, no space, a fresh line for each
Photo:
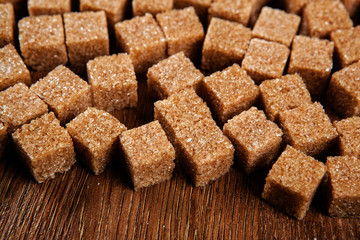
143,40
281,94
95,134
3,138
172,75
183,31
343,186
347,45
113,82
312,59
86,36
322,17
343,94
48,7
18,106
154,7
148,154
293,181
229,92
256,139
308,129
276,25
265,60
352,6
13,69
46,147
114,9
200,145
237,11
201,6
349,136
295,6
66,93
7,23
220,52
42,42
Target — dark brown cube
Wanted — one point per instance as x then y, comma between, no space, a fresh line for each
42,42
295,6
352,6
7,23
293,181
95,134
154,7
201,6
46,147
349,136
220,52
46,7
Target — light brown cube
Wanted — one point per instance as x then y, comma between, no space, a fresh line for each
343,186
347,45
265,60
352,6
349,136
42,42
343,94
148,154
172,75
200,145
183,31
220,52
154,7
19,106
113,82
281,94
48,7
257,140
308,129
96,136
114,9
66,93
237,11
293,181
312,59
14,69
46,147
295,6
143,40
3,138
276,25
86,36
201,6
229,92
322,17
7,23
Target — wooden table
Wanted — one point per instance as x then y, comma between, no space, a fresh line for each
80,205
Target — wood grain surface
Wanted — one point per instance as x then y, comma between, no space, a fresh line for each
80,205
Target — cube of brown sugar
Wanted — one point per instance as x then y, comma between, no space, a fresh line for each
322,17
276,25
42,42
114,9
172,75
347,45
7,23
19,105
312,59
308,129
148,154
295,6
257,140
46,147
143,40
220,52
265,60
183,31
237,11
113,82
201,6
229,92
343,94
86,36
352,6
281,94
14,69
154,7
66,93
293,181
48,7
200,145
3,138
95,134
349,136
343,186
